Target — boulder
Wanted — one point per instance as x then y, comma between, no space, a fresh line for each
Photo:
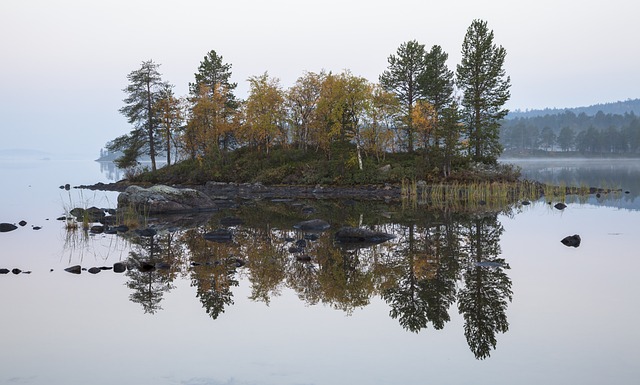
16,271
4,271
361,235
96,229
22,223
94,270
526,203
6,227
571,241
162,199
312,225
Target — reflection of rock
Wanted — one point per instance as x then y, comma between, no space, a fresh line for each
4,271
94,270
220,235
119,267
361,235
571,241
16,271
560,206
74,269
148,232
164,199
6,227
22,223
312,225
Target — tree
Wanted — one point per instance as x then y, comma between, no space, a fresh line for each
547,138
170,113
436,84
264,112
377,135
401,78
144,91
566,138
450,130
302,103
485,89
213,81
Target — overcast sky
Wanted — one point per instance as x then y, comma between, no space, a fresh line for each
63,63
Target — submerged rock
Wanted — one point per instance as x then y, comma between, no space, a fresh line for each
6,227
571,241
361,235
164,199
312,225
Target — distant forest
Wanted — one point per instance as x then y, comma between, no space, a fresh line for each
612,128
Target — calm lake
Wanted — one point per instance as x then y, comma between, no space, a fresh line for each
491,297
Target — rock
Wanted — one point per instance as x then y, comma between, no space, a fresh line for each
36,227
361,235
67,187
148,232
560,206
164,199
22,223
121,228
294,249
94,270
4,271
111,231
220,235
311,237
96,229
312,225
146,267
6,227
231,221
526,203
237,262
16,271
303,258
308,210
76,269
162,266
119,267
105,267
62,218
571,241
301,243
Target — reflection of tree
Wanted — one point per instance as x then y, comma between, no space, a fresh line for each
148,283
211,271
484,298
425,288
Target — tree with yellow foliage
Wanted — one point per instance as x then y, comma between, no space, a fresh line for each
264,113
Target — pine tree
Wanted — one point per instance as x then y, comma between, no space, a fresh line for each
485,89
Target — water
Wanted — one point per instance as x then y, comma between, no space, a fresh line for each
414,310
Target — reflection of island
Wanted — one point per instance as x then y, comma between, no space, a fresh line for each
437,259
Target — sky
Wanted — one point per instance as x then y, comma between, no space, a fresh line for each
63,63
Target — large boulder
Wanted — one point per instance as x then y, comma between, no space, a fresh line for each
164,199
361,235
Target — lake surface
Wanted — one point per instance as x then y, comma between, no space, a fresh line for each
483,298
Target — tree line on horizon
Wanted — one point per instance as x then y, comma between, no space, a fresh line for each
597,134
417,106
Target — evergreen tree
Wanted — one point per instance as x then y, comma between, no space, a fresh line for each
144,90
401,78
485,89
566,138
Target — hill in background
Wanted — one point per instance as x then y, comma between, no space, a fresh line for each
614,108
